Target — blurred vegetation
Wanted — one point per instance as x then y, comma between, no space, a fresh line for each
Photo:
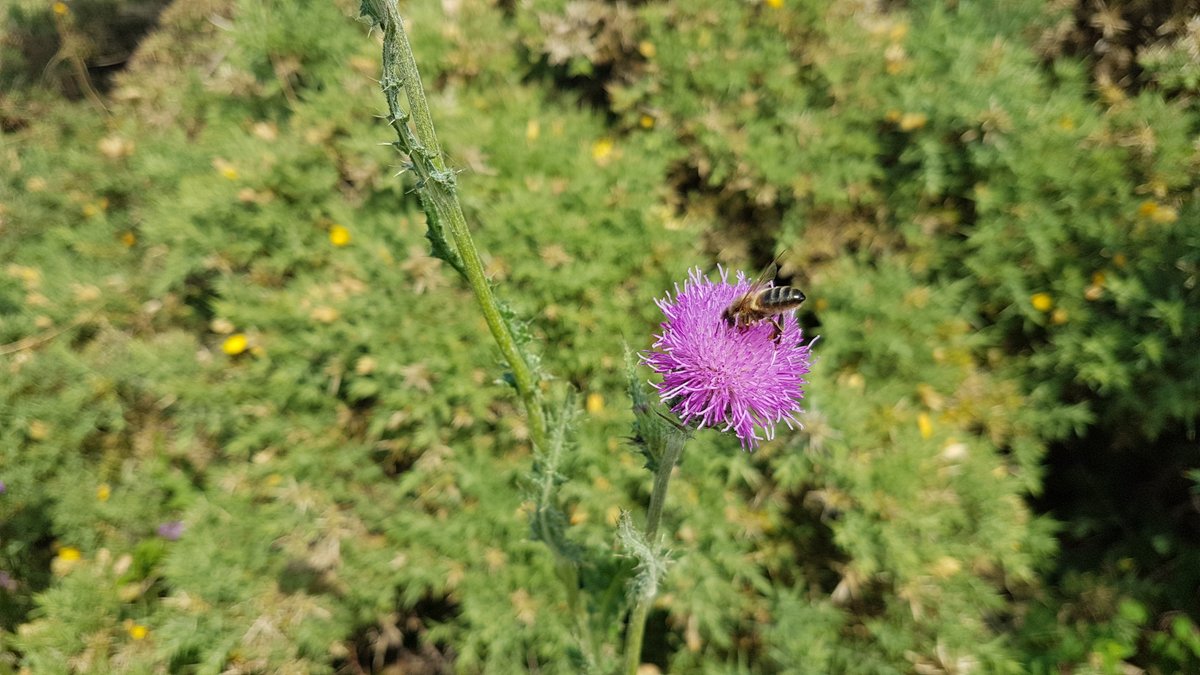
248,425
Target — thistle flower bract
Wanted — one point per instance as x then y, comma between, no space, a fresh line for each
718,375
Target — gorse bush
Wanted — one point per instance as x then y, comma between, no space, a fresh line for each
250,424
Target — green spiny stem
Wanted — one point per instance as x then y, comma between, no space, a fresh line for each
437,188
565,566
635,631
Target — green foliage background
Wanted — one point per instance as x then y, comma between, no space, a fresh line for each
998,238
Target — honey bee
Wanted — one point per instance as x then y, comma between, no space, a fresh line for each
762,303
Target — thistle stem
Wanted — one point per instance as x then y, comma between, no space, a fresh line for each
437,188
564,565
635,631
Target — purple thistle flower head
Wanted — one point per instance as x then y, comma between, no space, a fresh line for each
736,377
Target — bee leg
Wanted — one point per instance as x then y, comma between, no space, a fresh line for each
778,330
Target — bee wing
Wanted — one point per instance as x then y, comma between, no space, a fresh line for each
766,276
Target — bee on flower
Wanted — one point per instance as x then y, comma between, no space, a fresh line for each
741,376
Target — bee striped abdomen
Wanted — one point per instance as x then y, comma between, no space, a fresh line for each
781,297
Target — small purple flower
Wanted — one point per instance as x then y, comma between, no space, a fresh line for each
3,487
171,531
715,374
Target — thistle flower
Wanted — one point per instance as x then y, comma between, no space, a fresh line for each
714,374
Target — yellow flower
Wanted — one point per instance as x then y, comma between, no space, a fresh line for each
69,554
1058,316
339,236
235,344
224,168
1042,302
646,121
1157,212
103,492
138,632
68,559
1165,215
128,239
602,150
925,425
774,4
61,9
594,403
533,129
647,49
